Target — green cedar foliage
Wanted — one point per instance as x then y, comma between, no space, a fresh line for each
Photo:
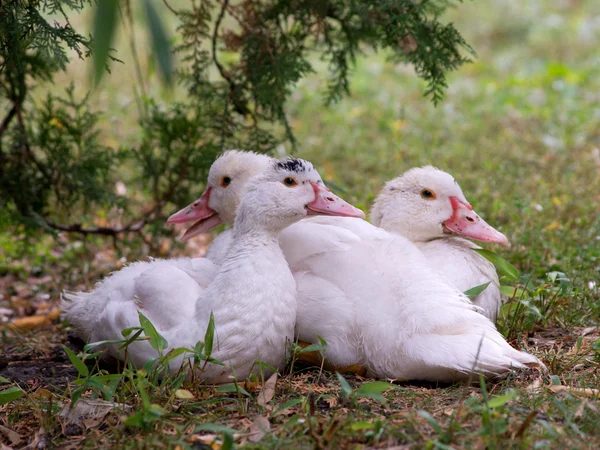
239,63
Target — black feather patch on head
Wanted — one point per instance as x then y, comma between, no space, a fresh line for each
293,165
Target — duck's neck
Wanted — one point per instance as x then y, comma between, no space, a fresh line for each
402,226
254,247
248,235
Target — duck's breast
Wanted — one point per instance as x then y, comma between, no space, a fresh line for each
253,299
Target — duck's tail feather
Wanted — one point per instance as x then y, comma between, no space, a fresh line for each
451,355
75,310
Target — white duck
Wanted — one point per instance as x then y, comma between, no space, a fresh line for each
182,279
427,206
376,301
227,180
252,295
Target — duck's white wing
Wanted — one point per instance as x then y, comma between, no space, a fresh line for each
85,311
375,300
164,290
318,235
460,352
167,292
317,250
455,259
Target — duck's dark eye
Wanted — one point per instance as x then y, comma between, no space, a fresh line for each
225,181
427,194
290,182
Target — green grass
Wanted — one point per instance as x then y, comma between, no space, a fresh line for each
519,129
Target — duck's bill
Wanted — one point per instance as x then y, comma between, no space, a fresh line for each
199,212
202,226
466,223
327,203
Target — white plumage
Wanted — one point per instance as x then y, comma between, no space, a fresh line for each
374,298
372,295
377,301
115,301
402,207
252,295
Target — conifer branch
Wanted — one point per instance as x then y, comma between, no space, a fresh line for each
6,121
239,106
53,154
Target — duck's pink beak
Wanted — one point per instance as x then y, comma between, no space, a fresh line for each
327,203
198,211
467,223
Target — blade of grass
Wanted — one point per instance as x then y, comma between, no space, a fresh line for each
160,42
105,21
77,363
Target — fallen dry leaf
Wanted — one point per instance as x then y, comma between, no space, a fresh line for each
249,385
39,441
43,280
6,312
581,409
33,322
209,440
13,436
535,386
332,401
260,427
88,412
43,394
589,330
268,391
578,392
184,394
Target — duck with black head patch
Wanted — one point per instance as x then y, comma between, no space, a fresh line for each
252,296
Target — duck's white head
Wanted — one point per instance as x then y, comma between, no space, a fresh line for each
288,191
227,181
426,203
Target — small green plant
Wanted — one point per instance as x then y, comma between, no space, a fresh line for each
445,435
528,304
371,390
596,350
475,291
492,412
320,347
156,372
101,383
150,412
9,394
494,419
